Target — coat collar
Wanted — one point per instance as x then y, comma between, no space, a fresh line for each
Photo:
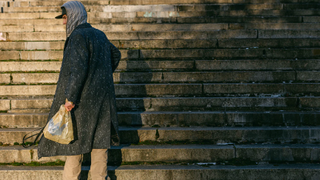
84,25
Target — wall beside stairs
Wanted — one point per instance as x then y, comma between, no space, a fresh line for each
206,89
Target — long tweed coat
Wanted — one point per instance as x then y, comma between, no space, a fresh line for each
85,78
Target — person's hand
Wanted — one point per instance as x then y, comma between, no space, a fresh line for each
69,106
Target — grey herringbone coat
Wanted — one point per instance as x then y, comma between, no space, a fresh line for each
86,79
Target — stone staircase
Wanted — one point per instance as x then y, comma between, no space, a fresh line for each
206,89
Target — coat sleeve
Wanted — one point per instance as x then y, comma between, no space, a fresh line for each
78,58
115,57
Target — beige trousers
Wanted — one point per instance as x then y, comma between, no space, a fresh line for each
98,168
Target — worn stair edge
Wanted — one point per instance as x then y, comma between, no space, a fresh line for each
303,153
175,172
209,135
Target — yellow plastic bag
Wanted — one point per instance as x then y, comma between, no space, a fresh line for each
59,128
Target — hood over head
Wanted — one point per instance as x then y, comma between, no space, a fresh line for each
76,14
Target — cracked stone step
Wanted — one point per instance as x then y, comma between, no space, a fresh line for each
181,103
164,7
182,119
173,77
163,17
303,66
144,65
145,153
132,44
167,27
126,2
187,54
175,43
176,77
120,27
181,153
206,35
177,172
288,34
180,90
218,65
238,135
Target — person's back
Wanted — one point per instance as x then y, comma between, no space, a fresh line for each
86,82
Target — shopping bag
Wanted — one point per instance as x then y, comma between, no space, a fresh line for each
59,128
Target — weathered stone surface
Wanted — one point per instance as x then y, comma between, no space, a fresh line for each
32,45
215,103
289,34
267,43
230,76
15,28
310,102
4,105
146,65
200,153
8,55
158,89
21,90
278,153
281,26
31,103
212,135
225,88
133,104
183,119
34,78
216,135
134,77
30,9
311,19
8,66
5,78
257,65
23,120
190,172
308,76
55,36
41,55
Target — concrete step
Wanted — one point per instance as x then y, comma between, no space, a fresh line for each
181,103
176,172
133,44
181,153
145,153
285,34
183,119
50,66
163,17
138,2
210,135
206,16
122,27
218,65
184,54
206,35
175,77
176,43
302,66
125,2
139,8
146,27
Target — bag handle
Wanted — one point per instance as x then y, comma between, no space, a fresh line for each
26,137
